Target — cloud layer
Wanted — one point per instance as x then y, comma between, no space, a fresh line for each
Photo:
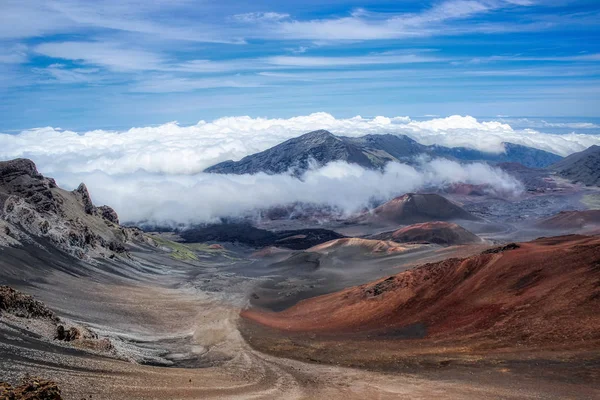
176,149
154,173
185,199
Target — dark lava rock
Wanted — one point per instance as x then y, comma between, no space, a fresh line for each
249,235
22,305
229,232
84,197
303,239
117,247
508,247
108,214
30,388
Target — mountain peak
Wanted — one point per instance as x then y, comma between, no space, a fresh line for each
320,135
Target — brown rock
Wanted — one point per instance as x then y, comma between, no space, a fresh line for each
31,388
22,305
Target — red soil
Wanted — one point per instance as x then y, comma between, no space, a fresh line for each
571,220
545,292
443,233
419,207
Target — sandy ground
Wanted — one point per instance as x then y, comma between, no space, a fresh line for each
210,329
183,342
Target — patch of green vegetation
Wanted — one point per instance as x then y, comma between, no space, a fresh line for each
179,251
189,251
592,201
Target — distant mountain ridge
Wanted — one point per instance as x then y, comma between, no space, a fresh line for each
369,151
582,167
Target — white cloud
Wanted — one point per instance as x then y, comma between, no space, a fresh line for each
33,18
362,25
206,197
255,17
58,73
14,54
176,149
154,172
315,62
171,84
111,55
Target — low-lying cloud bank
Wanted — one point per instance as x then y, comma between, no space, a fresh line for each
184,199
175,149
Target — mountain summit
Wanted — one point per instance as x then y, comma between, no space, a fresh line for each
296,154
370,151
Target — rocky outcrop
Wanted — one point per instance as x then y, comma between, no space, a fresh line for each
22,305
108,214
33,207
20,177
84,197
30,388
23,310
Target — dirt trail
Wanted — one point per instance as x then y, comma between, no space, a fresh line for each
170,317
242,373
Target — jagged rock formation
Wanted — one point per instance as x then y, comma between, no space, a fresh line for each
582,167
33,207
370,151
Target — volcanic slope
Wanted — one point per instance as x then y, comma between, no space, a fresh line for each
530,295
442,233
572,220
414,208
582,167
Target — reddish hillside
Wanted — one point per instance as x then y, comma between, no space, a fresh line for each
571,220
414,208
443,233
537,293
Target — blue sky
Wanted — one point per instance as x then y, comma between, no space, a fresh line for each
115,64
